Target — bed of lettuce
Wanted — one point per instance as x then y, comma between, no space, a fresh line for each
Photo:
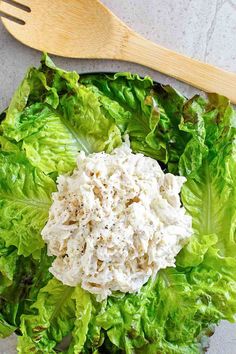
52,116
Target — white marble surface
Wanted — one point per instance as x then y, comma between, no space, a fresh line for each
203,29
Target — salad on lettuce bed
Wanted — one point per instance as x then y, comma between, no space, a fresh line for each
52,117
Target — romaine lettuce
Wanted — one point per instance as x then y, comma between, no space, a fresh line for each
59,311
52,118
25,198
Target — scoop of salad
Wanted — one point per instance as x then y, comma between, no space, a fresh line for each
115,222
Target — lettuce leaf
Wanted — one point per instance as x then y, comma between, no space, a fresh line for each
5,328
8,259
8,268
52,319
59,311
52,118
209,194
161,318
25,198
47,142
148,113
17,295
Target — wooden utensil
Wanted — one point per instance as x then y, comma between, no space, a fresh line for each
87,29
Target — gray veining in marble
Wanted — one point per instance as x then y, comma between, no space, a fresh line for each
203,29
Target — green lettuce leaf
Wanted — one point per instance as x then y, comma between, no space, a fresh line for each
53,117
148,113
127,99
209,194
8,146
59,311
164,317
8,259
29,276
8,268
25,198
47,142
5,328
52,318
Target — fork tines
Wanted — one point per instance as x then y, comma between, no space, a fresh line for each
15,10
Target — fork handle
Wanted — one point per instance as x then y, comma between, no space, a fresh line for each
206,77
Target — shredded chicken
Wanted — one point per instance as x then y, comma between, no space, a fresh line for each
115,222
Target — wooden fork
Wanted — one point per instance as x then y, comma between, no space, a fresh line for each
87,29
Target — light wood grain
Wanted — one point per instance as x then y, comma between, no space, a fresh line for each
87,29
